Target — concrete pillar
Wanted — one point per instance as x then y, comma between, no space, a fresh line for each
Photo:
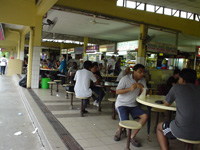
85,45
141,56
35,67
30,57
22,47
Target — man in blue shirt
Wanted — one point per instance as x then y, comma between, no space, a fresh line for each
63,68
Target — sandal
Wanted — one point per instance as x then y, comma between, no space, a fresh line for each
135,143
117,136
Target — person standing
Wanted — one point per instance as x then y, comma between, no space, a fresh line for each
63,68
187,121
117,67
129,87
111,65
4,62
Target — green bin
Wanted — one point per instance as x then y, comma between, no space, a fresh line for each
44,83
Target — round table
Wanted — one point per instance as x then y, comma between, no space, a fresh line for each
150,101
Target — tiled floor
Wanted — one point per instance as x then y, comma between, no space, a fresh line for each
95,130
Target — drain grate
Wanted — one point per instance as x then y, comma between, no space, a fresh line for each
65,136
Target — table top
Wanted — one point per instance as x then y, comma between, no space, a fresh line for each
108,76
150,101
49,69
108,84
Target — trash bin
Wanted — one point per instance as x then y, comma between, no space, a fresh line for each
44,83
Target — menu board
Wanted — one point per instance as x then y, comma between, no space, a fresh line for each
162,48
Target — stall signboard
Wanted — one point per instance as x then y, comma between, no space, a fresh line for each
127,46
78,50
107,48
70,50
162,48
198,51
91,49
64,51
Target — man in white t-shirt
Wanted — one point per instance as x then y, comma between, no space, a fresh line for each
82,86
129,87
111,65
4,62
123,73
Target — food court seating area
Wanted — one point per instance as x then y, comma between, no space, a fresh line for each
95,131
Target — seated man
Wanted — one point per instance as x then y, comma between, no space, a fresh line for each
129,87
123,73
97,90
82,85
187,122
173,79
49,64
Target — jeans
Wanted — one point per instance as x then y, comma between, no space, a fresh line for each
3,68
97,91
85,102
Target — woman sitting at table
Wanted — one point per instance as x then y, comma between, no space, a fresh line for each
97,90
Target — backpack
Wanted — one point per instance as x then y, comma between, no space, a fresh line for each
22,81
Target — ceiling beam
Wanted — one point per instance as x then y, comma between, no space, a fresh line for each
108,8
20,12
44,5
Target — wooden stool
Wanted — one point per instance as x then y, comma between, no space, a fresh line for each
129,124
189,143
113,107
72,93
82,98
57,82
52,83
158,111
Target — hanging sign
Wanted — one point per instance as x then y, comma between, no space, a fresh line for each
198,51
162,48
78,50
127,46
107,48
64,51
70,50
91,49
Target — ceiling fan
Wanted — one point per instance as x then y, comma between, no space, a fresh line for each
96,22
51,23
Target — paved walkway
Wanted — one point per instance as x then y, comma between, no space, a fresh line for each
15,118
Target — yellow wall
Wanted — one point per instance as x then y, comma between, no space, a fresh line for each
21,12
14,67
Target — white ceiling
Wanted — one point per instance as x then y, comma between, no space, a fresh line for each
76,26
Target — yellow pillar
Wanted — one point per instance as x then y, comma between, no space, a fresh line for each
61,47
18,49
141,56
22,43
30,57
85,45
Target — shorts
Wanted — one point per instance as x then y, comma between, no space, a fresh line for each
167,130
124,112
